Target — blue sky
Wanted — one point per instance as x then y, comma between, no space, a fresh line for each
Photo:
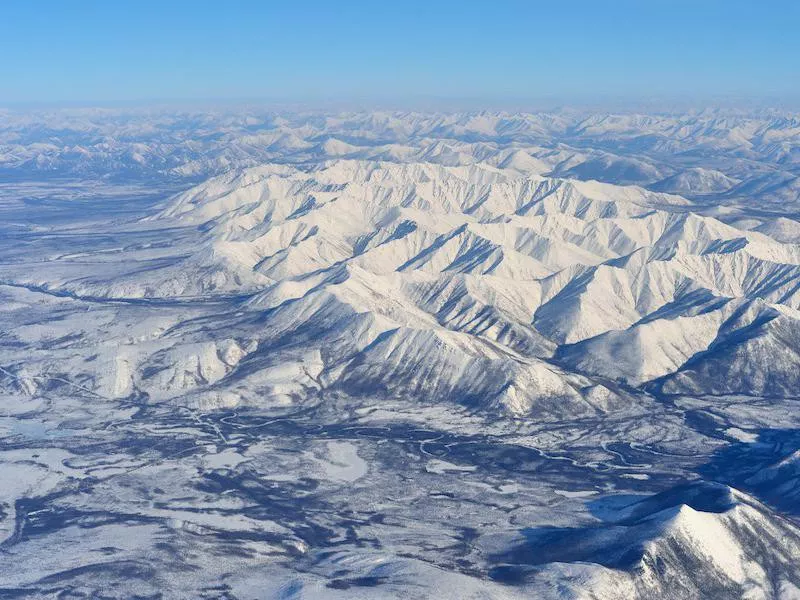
137,50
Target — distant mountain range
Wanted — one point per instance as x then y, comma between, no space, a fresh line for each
734,155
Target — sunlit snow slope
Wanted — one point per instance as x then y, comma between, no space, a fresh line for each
472,283
411,355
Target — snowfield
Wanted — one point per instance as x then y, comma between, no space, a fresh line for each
412,355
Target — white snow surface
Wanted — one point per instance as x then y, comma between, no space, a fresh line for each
298,354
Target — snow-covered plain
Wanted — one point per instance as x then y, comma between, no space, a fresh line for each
248,355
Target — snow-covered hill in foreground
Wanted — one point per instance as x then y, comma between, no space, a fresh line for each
444,363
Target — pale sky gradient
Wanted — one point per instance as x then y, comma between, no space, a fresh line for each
139,50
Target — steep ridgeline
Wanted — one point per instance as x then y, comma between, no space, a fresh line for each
473,283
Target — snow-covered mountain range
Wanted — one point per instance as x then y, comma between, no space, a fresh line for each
473,282
729,154
569,325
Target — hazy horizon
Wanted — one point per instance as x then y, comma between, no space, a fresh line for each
424,103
